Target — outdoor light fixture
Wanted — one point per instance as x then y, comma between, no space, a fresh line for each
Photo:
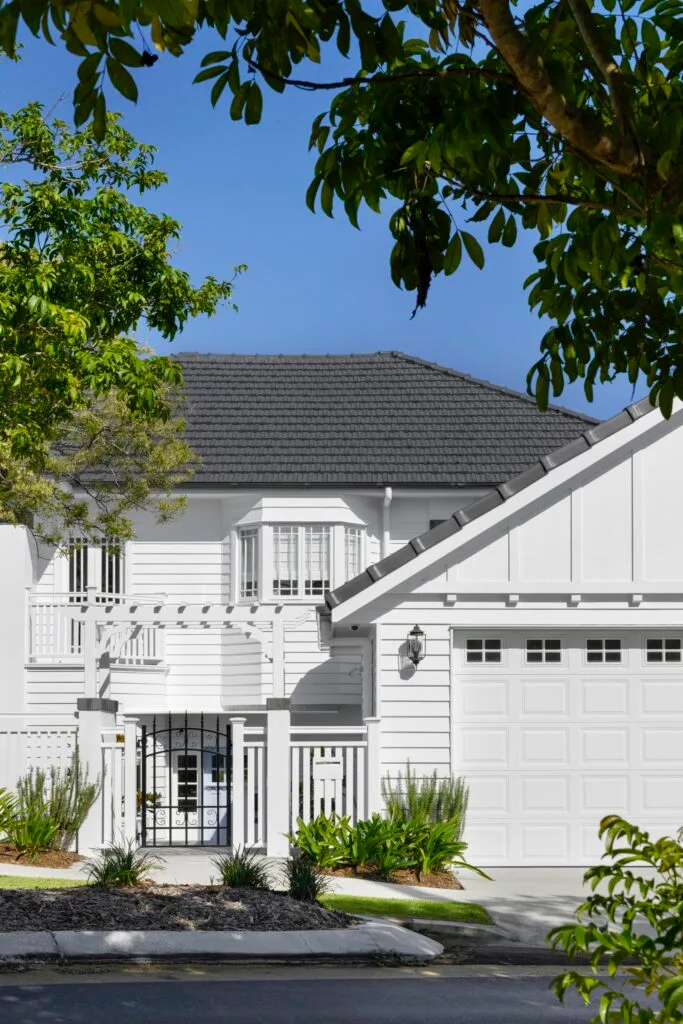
417,645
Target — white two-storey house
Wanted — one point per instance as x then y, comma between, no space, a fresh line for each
289,627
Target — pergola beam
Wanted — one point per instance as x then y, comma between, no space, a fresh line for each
134,613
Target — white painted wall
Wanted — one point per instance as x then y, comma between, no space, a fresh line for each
16,573
191,559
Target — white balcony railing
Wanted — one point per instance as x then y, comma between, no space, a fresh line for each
55,637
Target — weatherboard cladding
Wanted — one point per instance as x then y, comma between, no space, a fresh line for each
461,518
375,419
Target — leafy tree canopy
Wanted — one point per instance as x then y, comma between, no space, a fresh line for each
563,117
83,410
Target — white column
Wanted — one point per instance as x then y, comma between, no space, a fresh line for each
237,740
278,769
90,658
373,773
130,794
94,715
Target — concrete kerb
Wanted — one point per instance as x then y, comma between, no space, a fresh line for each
368,940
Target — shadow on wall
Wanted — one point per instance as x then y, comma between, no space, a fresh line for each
330,693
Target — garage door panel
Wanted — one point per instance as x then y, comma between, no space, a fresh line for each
605,794
482,747
546,697
544,793
545,843
549,745
608,697
662,746
604,745
490,793
488,843
488,698
662,793
662,697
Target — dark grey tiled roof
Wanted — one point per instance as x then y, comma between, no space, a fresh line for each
378,419
459,520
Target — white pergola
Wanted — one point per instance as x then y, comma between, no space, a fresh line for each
123,617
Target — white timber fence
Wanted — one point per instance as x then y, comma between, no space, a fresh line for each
25,747
248,827
334,771
117,814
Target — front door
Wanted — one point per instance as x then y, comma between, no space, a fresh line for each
216,795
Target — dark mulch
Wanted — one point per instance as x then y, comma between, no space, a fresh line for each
436,880
45,859
160,908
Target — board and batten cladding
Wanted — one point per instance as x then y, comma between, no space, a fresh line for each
618,525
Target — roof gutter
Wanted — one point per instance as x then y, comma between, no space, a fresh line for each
386,520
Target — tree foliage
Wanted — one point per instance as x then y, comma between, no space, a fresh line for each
562,117
84,411
632,930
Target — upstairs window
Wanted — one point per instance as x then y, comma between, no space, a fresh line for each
353,551
603,651
488,651
296,561
543,651
660,650
249,563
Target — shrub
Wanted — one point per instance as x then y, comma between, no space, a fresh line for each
435,846
8,810
64,801
610,929
304,880
31,831
122,864
322,841
430,797
242,869
362,842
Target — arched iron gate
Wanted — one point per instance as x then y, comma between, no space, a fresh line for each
185,782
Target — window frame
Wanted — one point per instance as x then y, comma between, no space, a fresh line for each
484,662
603,650
97,565
338,558
544,651
671,662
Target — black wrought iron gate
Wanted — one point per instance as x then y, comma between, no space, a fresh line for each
185,782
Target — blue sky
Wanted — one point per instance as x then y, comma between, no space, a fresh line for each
313,285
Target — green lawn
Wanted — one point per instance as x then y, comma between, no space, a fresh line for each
375,906
18,882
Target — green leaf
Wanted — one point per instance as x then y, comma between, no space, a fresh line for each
453,255
327,198
215,57
238,100
208,73
125,53
87,69
677,230
218,87
99,125
254,104
496,227
473,249
414,153
510,233
122,80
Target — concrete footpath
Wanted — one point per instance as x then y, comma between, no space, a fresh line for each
372,939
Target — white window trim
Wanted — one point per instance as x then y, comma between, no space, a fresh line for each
94,566
337,550
621,663
671,665
543,663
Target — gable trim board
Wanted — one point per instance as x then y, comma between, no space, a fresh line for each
538,484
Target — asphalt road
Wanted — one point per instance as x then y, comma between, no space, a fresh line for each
391,997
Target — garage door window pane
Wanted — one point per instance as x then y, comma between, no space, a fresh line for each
599,650
542,651
480,651
663,650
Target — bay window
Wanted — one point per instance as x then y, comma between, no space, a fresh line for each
296,561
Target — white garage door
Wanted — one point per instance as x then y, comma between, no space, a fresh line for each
555,730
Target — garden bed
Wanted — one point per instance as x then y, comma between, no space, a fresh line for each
44,859
434,880
161,908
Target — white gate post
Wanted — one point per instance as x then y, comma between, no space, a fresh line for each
130,794
94,715
278,768
373,774
237,742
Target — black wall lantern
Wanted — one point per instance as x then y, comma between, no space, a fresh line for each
417,645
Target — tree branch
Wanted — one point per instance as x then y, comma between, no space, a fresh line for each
527,197
582,130
472,71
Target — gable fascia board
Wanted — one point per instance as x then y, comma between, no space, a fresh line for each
555,478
